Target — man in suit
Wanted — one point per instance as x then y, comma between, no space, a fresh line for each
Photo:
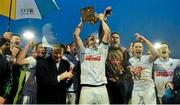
52,76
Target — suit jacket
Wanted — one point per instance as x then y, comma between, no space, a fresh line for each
49,90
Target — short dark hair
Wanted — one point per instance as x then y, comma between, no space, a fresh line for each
133,43
36,45
114,33
16,35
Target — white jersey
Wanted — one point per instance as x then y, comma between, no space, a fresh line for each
163,73
145,79
93,65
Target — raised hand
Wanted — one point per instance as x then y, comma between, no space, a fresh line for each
107,11
140,38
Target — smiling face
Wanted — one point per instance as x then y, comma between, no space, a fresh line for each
137,49
57,53
164,51
40,50
115,40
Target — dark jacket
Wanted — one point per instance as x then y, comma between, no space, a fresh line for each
176,82
117,59
120,82
49,90
5,77
76,72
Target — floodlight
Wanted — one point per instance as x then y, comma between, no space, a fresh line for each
28,35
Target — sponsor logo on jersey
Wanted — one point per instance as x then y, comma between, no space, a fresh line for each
163,73
92,57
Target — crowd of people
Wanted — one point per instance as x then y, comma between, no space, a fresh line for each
93,73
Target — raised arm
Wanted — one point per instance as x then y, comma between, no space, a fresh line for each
107,13
77,38
154,54
21,56
106,30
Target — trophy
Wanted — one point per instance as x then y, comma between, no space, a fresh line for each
88,15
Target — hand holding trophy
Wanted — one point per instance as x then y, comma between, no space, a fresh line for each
88,14
107,12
